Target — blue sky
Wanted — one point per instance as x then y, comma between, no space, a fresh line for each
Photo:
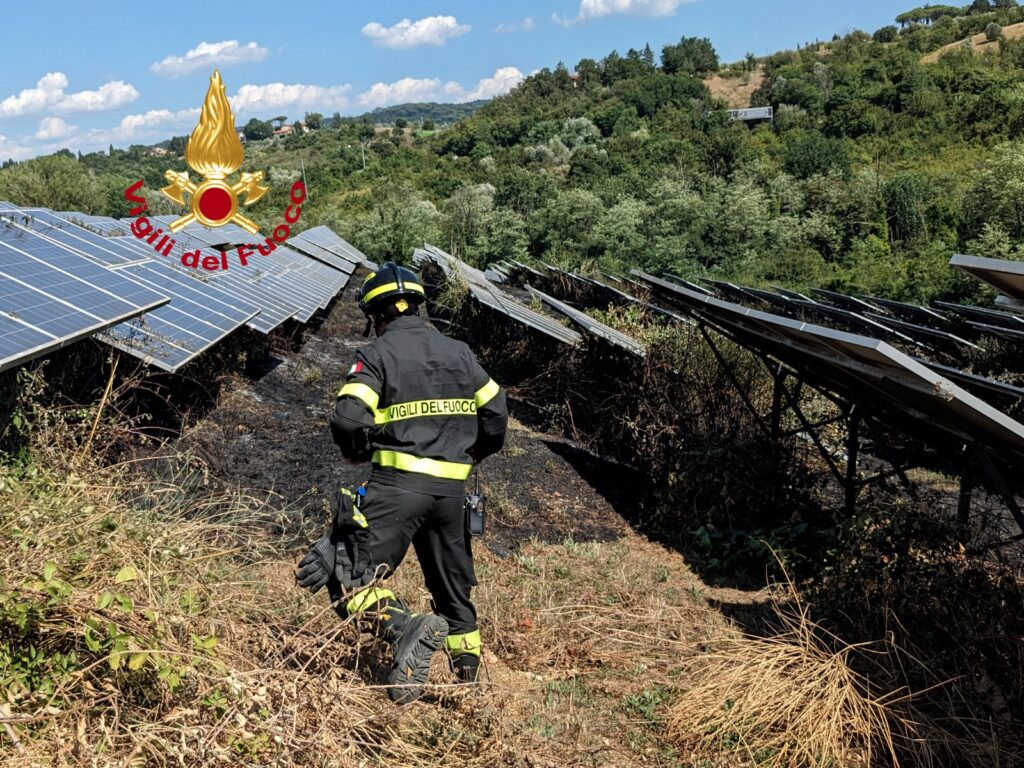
85,76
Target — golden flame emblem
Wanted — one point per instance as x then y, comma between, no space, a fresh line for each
214,152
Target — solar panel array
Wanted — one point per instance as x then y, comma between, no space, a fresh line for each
862,367
488,295
591,325
67,276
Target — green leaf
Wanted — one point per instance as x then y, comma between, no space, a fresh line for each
136,661
128,573
48,571
104,601
125,603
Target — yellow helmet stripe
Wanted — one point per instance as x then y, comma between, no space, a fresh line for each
414,287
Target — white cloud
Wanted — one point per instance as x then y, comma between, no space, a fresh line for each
155,124
206,56
112,95
12,150
503,81
596,9
47,92
401,91
516,26
410,89
49,95
262,99
433,30
53,128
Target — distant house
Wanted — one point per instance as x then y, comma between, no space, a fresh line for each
241,136
284,130
158,152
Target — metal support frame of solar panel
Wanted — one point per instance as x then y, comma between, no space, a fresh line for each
1007,277
893,387
53,296
490,296
291,273
196,318
592,326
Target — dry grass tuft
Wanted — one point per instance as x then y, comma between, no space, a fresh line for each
796,699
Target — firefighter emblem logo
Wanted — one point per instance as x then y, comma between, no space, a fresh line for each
214,151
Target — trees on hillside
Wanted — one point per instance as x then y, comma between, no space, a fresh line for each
691,55
257,129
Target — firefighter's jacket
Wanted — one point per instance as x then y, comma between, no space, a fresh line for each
418,405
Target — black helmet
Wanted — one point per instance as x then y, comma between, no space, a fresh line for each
388,284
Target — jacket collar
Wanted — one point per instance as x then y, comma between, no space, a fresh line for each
404,323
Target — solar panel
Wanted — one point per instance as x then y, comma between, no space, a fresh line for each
107,251
866,370
5,206
255,284
51,296
1007,277
1010,334
997,392
490,296
311,249
284,273
983,315
793,294
593,326
688,284
924,334
327,239
913,313
841,300
854,320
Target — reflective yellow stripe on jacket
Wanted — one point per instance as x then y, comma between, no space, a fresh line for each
486,393
448,470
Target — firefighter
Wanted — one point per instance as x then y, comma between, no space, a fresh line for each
417,406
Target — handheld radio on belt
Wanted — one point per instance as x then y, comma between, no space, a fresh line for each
476,504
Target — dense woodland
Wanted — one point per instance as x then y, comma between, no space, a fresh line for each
878,166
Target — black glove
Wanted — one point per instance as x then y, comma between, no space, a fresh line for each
353,563
318,565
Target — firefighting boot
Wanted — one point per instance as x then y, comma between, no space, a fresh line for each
466,667
464,654
414,638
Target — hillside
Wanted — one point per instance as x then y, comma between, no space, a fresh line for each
441,114
979,43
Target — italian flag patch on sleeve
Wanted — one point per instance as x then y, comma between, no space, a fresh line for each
357,366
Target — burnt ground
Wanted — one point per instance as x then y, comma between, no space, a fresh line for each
270,434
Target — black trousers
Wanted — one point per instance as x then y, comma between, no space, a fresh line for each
436,528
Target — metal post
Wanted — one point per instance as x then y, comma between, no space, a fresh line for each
778,382
852,448
963,507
